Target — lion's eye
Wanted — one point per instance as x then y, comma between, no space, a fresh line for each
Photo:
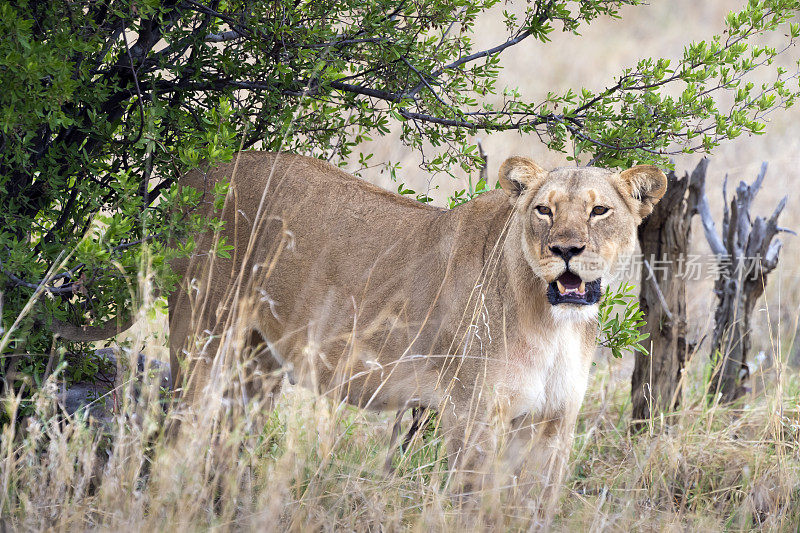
543,210
599,210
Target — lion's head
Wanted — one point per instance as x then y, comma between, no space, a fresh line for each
576,223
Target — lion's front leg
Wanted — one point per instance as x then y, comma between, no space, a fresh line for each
537,454
471,445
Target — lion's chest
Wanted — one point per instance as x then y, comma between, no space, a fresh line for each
546,377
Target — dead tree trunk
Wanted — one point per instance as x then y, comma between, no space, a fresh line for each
746,251
664,239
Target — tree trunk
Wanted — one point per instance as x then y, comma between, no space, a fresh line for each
664,239
746,252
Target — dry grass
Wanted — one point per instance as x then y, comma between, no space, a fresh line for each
313,464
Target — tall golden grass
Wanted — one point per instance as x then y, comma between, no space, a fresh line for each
315,464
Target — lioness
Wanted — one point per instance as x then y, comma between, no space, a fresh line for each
486,312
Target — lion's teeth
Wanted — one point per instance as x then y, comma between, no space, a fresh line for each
582,288
561,287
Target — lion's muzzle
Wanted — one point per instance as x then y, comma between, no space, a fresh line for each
569,288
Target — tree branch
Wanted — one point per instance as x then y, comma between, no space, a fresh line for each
225,36
42,285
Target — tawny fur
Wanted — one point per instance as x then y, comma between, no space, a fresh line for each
387,303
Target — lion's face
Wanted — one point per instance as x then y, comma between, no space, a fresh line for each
576,223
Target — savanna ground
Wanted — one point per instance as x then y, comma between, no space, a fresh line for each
314,464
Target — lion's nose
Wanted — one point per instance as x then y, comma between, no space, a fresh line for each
566,252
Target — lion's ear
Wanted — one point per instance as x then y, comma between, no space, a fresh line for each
518,174
645,183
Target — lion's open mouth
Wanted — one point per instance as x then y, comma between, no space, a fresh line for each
569,288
